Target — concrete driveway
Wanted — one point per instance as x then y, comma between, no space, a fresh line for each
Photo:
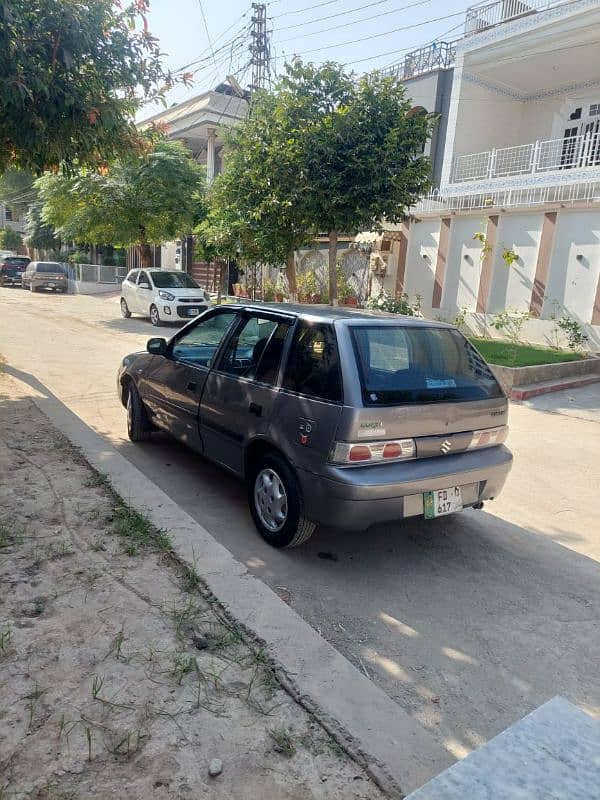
467,622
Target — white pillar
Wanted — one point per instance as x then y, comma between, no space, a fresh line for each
210,156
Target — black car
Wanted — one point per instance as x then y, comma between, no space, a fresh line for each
12,269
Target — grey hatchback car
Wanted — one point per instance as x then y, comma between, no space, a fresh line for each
332,416
45,275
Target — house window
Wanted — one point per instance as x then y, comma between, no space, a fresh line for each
595,110
8,215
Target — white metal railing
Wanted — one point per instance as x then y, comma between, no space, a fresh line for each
586,191
96,273
437,55
480,17
570,152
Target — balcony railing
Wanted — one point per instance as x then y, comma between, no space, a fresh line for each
437,55
584,192
480,17
572,152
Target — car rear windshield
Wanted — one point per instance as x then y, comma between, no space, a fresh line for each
401,365
173,280
49,266
14,261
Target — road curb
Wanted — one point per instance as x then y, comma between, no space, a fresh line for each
398,753
520,393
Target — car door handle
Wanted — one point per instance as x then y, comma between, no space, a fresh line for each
192,386
254,408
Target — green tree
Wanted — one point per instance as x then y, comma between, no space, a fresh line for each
142,199
39,234
10,239
256,207
72,75
361,149
325,152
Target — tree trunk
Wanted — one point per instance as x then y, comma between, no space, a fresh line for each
333,237
290,271
146,255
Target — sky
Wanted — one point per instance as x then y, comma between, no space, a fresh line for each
364,34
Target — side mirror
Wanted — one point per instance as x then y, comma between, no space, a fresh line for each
144,285
157,346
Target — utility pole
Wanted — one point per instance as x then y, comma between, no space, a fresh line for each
260,49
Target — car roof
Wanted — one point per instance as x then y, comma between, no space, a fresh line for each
342,314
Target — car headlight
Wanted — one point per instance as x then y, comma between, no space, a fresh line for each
166,296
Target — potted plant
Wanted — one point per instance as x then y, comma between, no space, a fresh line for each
308,291
346,294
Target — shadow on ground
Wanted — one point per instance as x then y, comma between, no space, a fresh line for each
468,622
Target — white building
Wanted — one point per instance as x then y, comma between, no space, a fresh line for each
521,173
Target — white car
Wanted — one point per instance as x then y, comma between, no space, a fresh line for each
162,295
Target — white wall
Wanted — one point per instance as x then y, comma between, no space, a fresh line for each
486,119
419,274
572,282
511,286
463,266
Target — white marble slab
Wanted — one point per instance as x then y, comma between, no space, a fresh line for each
551,754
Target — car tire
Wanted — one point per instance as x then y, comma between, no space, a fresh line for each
139,427
125,312
269,478
31,287
155,317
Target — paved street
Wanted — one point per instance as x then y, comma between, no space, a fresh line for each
468,622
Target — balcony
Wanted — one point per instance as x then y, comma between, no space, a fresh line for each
480,17
551,155
437,55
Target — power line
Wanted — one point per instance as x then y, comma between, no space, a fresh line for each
364,19
300,10
206,29
375,35
351,11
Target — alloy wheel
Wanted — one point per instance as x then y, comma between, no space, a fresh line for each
270,500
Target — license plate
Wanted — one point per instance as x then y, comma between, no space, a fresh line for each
193,312
442,502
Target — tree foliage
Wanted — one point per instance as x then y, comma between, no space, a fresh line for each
39,234
325,152
143,199
10,239
255,208
72,74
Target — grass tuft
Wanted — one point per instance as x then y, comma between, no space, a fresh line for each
283,742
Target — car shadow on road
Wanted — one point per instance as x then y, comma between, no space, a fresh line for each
468,622
140,325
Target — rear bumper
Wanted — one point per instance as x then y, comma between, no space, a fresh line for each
356,498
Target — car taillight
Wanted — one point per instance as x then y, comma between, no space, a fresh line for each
373,452
488,437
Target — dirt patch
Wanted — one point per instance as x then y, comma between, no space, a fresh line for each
120,678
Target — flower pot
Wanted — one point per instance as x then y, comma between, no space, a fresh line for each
278,297
314,298
350,301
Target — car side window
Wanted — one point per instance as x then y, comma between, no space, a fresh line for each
254,350
313,365
199,345
132,277
143,278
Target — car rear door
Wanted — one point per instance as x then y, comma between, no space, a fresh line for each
172,386
128,289
240,393
311,399
143,295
